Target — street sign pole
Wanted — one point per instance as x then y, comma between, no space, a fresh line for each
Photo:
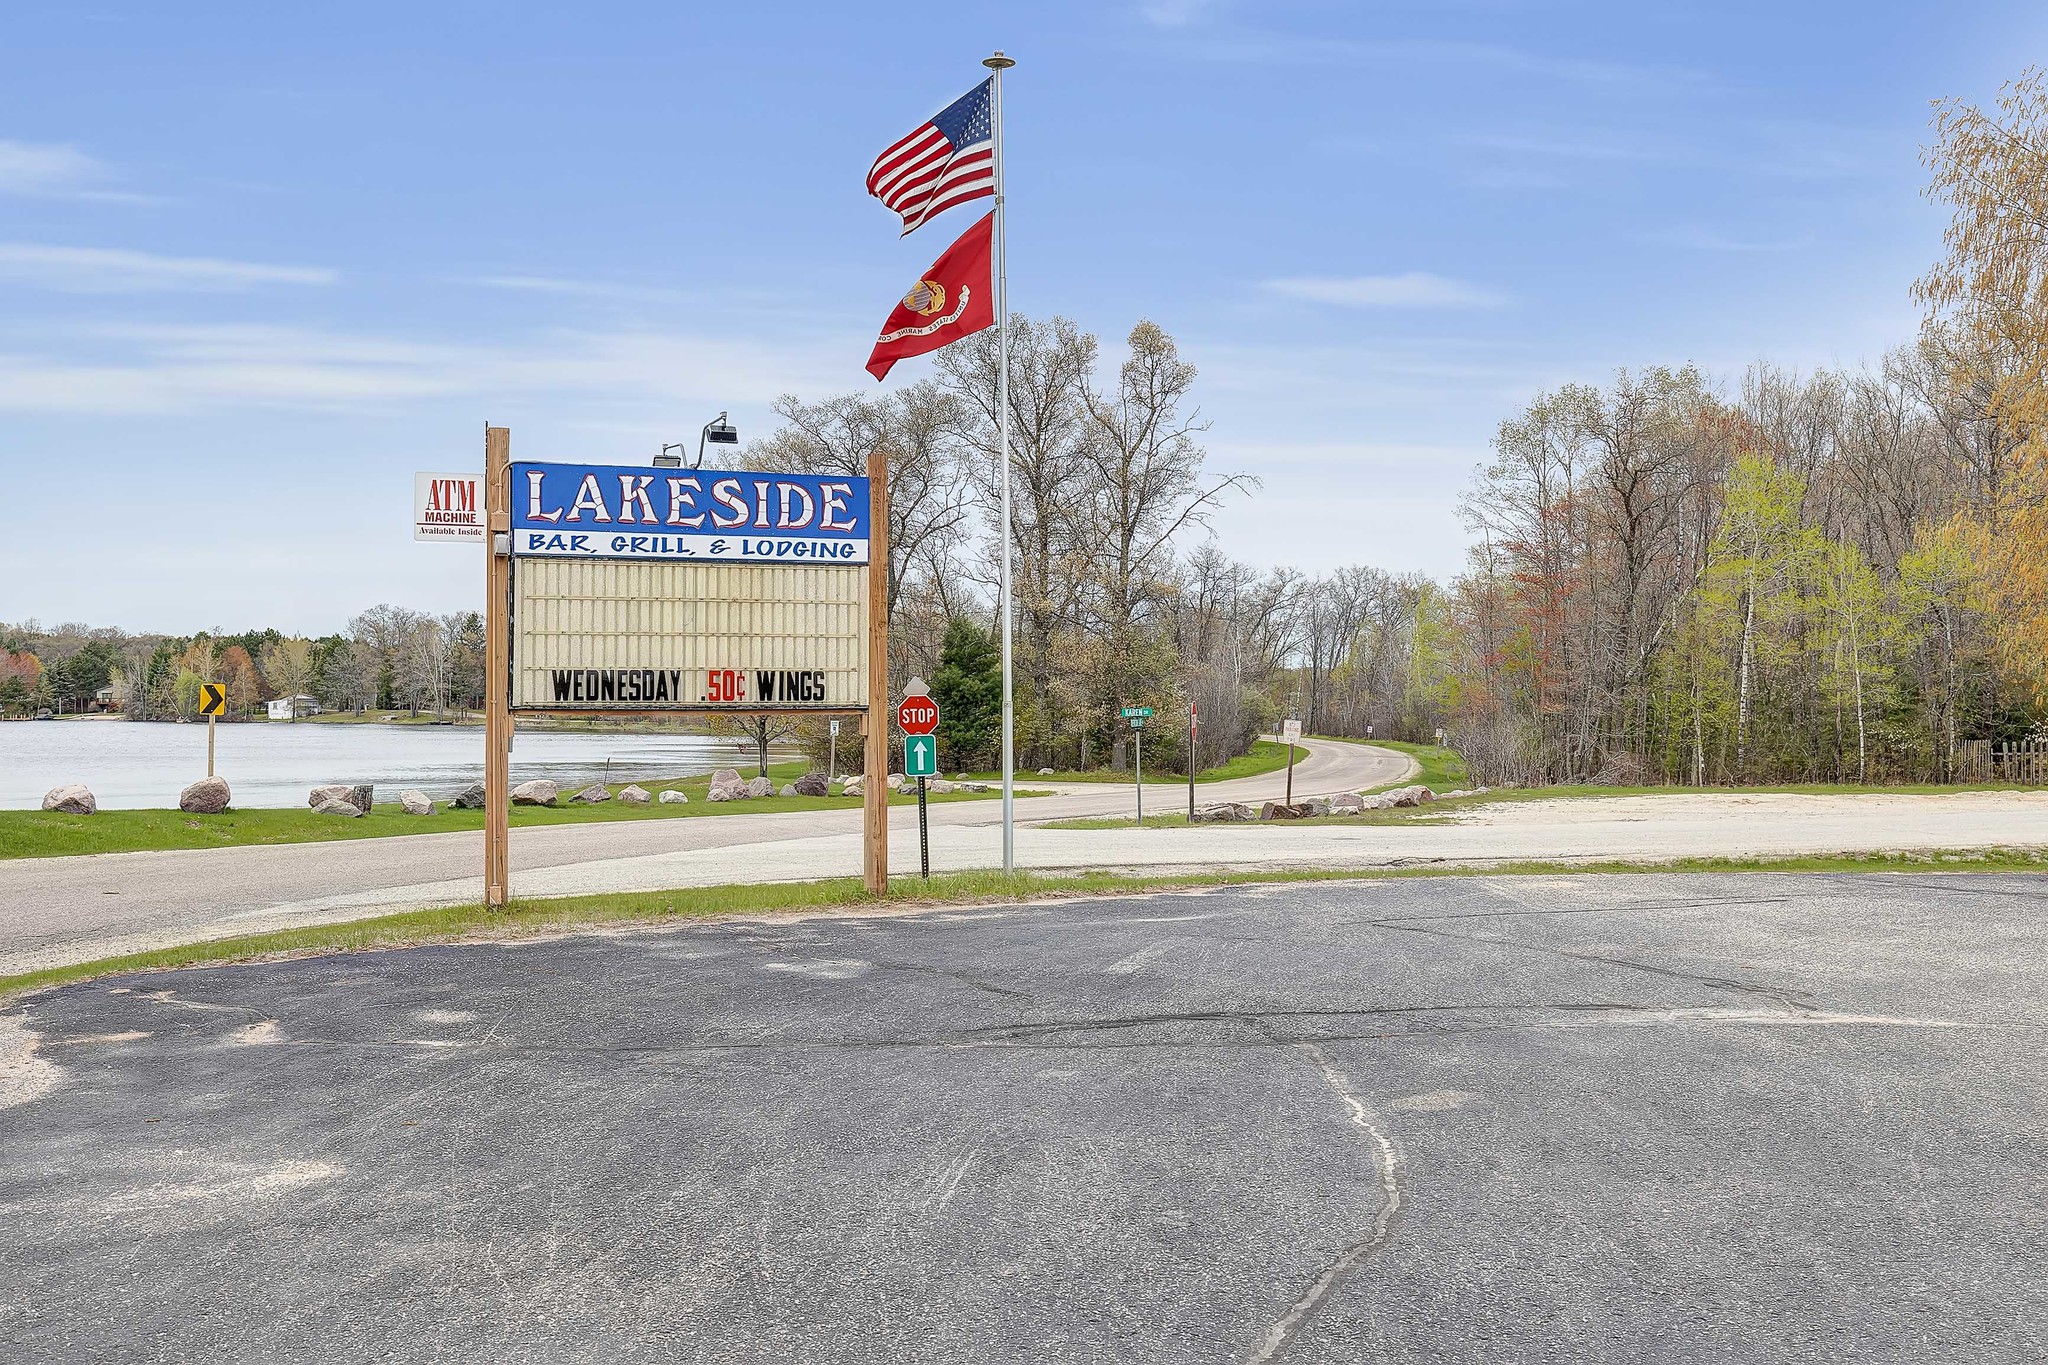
1140,769
209,744
924,842
919,717
1290,731
1194,728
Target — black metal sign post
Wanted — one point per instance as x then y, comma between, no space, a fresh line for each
924,843
1194,727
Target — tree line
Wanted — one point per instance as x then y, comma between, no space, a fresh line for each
1840,575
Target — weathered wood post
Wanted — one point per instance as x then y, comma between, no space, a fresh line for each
875,787
497,666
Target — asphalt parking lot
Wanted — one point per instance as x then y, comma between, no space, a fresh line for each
1751,1118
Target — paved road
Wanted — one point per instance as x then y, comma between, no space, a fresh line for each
67,909
1652,1118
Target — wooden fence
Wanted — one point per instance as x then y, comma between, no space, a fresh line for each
1981,760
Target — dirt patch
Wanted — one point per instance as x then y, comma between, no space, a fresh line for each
24,1076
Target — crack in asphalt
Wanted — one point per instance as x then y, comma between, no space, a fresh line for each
1387,1162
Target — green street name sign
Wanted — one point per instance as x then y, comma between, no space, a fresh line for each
1130,711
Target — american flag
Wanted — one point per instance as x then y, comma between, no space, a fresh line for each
948,160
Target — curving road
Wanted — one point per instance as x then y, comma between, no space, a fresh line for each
55,910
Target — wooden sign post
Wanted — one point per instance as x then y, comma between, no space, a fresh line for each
497,667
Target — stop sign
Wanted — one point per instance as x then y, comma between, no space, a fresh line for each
917,715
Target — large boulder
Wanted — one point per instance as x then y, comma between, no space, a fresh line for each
538,792
788,789
735,790
207,796
1410,796
1317,805
1046,772
415,803
812,784
333,791
895,781
760,786
938,786
634,795
853,787
1346,803
1280,810
726,775
472,797
670,798
1225,813
593,794
975,787
362,796
76,799
338,806
1378,801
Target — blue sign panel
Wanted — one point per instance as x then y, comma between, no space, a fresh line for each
582,511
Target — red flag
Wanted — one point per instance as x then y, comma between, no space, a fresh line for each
950,302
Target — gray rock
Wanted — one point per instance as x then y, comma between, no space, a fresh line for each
472,797
76,799
938,786
337,806
812,784
1280,810
1346,803
728,791
1225,813
207,796
759,787
333,791
895,781
1317,805
538,792
415,803
635,795
671,798
788,789
976,787
1410,796
853,787
1047,772
724,775
362,797
1381,801
594,794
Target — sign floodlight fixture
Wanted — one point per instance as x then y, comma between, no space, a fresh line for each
668,461
719,432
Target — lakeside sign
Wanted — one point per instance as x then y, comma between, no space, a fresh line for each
615,590
578,511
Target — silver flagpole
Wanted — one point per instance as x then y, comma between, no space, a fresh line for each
998,64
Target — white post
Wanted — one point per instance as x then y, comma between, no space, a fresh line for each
998,64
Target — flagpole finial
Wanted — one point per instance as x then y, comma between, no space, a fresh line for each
998,62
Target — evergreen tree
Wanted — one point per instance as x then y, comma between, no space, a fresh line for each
968,688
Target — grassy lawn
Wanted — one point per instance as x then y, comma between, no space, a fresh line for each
1266,756
1442,769
45,834
524,919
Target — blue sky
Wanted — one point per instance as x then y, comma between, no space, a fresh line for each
259,263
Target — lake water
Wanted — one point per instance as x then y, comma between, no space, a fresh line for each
130,766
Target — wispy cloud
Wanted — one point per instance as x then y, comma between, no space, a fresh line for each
1415,289
103,270
608,290
50,170
164,369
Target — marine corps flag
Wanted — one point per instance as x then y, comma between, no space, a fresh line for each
950,302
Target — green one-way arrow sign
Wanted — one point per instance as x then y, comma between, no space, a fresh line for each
1130,711
920,756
